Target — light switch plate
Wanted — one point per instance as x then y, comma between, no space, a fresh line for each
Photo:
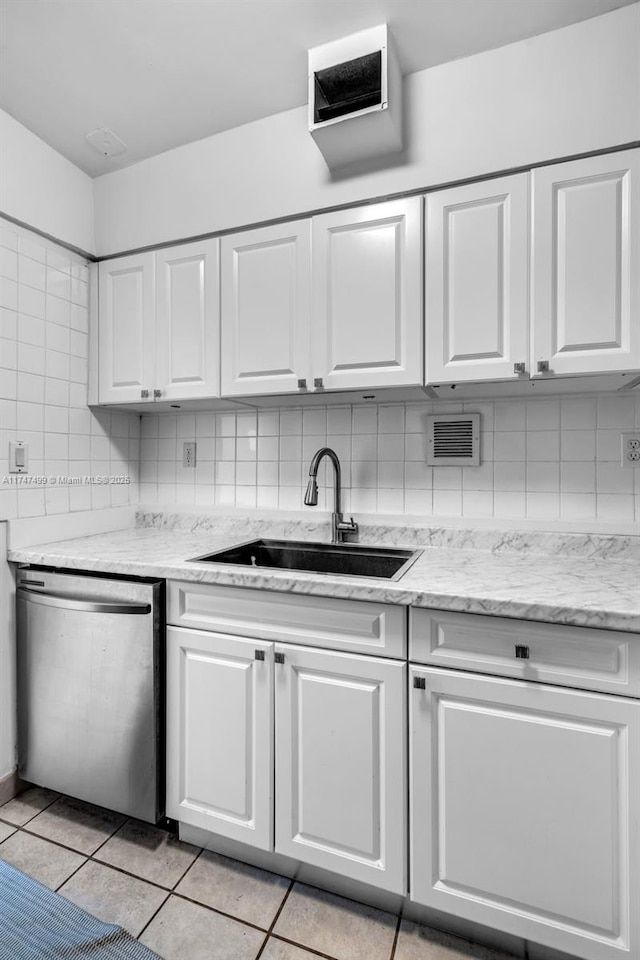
630,449
18,456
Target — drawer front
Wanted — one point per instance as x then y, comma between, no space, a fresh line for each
352,625
552,653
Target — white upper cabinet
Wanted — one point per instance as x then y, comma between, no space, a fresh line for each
586,256
159,325
367,296
266,309
126,330
477,280
188,321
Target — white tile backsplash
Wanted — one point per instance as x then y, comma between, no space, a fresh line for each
43,388
542,459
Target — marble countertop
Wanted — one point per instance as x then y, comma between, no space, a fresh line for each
596,587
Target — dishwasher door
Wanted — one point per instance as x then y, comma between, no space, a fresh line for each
89,690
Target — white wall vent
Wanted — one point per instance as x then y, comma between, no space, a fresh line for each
355,97
453,440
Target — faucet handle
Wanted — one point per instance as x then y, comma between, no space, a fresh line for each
347,526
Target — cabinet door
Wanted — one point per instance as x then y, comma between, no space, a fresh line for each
477,265
586,250
340,764
524,810
266,309
367,296
188,321
126,338
220,734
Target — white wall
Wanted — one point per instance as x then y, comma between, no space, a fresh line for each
43,386
41,188
562,93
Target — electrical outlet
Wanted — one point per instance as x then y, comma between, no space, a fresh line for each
630,449
189,453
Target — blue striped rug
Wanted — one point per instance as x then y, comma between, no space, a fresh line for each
38,924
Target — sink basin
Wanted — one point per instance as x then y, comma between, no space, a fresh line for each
344,559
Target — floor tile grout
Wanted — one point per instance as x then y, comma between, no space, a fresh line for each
275,918
154,915
185,872
302,946
72,874
395,939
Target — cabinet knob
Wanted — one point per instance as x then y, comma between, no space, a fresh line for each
543,366
522,652
259,654
157,393
318,383
302,384
279,657
144,394
519,368
420,683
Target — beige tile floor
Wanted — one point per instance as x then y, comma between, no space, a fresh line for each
189,904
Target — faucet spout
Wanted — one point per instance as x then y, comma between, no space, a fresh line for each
340,527
311,496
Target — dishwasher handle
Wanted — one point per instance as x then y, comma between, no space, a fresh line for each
87,606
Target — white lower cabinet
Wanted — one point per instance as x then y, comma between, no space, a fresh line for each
220,734
340,763
340,751
525,803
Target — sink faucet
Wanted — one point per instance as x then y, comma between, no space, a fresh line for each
339,527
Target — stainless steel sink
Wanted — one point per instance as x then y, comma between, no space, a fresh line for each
344,559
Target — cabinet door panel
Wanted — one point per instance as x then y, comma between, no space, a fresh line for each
126,328
476,280
188,321
586,251
367,323
266,309
521,810
340,773
220,735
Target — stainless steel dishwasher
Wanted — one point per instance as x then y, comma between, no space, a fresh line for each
90,689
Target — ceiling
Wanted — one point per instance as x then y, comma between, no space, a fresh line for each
161,73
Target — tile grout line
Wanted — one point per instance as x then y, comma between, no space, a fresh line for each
275,918
186,871
171,891
21,825
395,939
300,946
154,915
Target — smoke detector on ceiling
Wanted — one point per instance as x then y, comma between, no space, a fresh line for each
355,97
106,142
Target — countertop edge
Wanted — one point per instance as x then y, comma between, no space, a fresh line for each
350,588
